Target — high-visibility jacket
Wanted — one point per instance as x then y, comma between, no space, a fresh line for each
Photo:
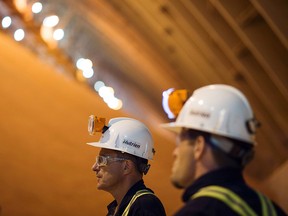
230,178
235,202
136,195
138,201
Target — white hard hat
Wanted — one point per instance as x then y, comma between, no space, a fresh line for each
218,109
127,135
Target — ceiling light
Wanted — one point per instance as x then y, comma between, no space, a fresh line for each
106,91
84,64
98,85
51,21
37,7
88,73
115,104
58,34
46,33
6,22
19,34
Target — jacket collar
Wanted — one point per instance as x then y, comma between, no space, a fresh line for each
126,199
220,177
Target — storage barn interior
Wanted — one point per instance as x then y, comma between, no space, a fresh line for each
138,49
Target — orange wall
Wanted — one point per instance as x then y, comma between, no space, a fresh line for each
44,162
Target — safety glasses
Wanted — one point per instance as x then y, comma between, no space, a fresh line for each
173,101
103,160
96,124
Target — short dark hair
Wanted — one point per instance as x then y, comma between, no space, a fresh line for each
141,164
223,158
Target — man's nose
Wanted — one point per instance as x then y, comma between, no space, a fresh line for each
95,167
175,152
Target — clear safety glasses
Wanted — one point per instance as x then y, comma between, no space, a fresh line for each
103,160
173,101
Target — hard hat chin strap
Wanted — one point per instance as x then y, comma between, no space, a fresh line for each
145,168
231,149
252,125
104,129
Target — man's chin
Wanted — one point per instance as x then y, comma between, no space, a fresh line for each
177,184
99,186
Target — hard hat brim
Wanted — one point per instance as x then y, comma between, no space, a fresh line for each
105,146
173,126
176,128
102,145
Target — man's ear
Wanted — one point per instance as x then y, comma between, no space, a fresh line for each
199,147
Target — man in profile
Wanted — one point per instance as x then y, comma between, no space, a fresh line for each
126,146
215,141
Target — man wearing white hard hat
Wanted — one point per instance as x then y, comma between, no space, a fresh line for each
126,146
215,132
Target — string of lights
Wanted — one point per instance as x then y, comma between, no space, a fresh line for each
42,29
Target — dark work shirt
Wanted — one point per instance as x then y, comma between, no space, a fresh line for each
229,178
145,205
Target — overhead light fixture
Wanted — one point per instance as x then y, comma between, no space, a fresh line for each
51,21
106,92
48,24
115,104
84,64
19,34
98,85
58,34
37,7
6,22
88,73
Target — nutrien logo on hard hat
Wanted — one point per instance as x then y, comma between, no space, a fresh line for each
130,143
200,113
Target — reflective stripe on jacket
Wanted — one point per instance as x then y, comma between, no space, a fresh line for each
136,195
235,202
